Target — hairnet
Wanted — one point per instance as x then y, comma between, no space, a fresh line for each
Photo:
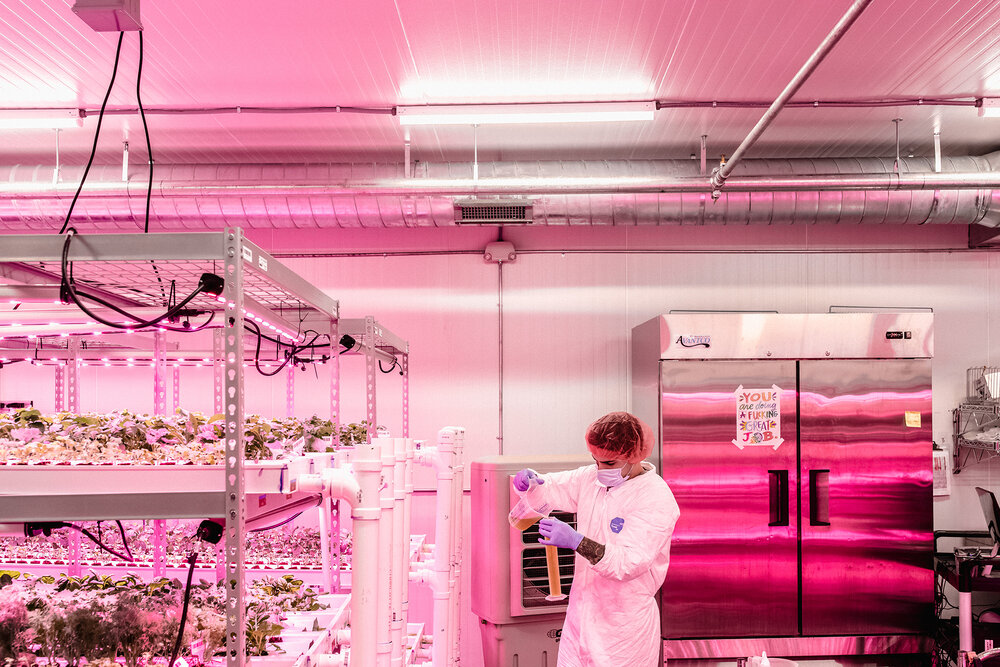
620,436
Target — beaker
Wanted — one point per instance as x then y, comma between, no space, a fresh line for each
524,516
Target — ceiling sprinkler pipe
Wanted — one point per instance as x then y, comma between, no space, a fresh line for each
720,175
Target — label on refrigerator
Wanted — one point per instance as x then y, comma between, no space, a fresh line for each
758,417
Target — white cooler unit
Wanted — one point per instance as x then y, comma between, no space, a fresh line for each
509,574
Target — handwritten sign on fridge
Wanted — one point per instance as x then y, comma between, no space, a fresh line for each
758,417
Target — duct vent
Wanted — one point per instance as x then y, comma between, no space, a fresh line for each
493,212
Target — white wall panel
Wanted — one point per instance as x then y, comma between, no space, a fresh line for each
445,306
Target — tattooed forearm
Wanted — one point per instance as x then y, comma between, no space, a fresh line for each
591,550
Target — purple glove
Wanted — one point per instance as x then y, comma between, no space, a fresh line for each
522,480
558,533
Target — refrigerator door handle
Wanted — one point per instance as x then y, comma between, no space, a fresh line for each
819,497
778,494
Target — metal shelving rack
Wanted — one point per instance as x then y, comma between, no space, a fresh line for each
134,268
379,345
975,418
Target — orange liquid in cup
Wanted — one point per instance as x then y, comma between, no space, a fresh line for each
526,523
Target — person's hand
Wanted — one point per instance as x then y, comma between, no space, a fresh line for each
558,533
522,480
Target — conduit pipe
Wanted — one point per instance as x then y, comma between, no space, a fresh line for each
843,190
442,457
720,174
388,540
400,551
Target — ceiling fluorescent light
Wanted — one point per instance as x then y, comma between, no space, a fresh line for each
21,119
990,107
502,114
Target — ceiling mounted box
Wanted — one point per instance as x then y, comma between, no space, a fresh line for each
493,212
109,15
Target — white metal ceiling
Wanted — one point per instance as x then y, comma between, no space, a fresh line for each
387,52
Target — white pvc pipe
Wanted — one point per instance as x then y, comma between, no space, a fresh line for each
407,524
364,564
440,587
400,552
456,546
386,545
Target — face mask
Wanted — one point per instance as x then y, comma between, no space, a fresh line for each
611,477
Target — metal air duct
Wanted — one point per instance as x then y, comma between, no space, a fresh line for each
609,192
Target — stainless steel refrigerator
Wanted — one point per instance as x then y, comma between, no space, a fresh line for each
799,450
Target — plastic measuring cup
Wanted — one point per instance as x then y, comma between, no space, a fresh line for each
528,511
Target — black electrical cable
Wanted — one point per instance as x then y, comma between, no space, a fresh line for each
289,355
97,133
69,290
192,557
121,529
91,536
394,364
145,128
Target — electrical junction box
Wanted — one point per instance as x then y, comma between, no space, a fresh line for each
109,15
499,251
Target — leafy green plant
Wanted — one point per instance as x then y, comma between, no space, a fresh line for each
131,628
46,624
83,635
354,433
261,628
13,623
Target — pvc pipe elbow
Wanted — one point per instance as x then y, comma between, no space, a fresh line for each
341,485
309,483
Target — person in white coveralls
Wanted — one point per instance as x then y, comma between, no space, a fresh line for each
625,519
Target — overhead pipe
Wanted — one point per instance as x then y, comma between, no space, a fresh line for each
720,174
844,190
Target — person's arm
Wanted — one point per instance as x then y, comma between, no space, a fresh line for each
591,550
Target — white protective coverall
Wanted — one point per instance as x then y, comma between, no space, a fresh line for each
612,619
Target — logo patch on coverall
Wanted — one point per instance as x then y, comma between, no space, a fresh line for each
617,524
